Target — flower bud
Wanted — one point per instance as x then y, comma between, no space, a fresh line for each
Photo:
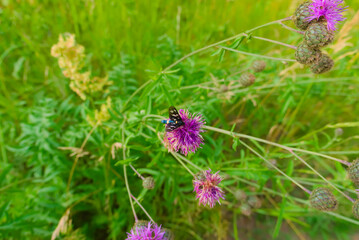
240,195
245,209
247,79
254,202
306,55
323,64
317,35
168,234
353,172
301,14
323,199
258,66
140,224
148,183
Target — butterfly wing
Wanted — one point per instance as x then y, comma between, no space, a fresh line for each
176,119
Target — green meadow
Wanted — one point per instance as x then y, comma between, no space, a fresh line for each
73,129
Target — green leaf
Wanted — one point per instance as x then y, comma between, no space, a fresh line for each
126,161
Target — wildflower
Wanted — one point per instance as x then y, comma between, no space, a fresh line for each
306,55
146,232
327,9
186,138
206,187
323,199
323,64
247,79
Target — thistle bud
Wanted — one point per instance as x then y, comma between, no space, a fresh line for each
323,199
168,234
148,183
356,209
258,66
240,195
245,209
301,14
317,35
254,202
247,79
140,224
306,55
323,64
353,172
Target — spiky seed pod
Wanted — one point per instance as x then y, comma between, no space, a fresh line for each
246,209
140,224
168,234
240,195
306,55
254,202
317,35
323,64
323,199
148,183
247,79
301,14
353,172
258,65
355,209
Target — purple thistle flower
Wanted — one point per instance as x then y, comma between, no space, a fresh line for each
186,138
328,9
149,232
206,187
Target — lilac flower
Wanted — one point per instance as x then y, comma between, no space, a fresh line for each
149,232
328,9
206,187
186,138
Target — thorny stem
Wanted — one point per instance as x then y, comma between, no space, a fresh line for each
272,41
143,209
223,41
232,134
311,168
138,174
275,167
77,156
125,171
257,55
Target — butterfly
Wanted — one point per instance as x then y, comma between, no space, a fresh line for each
175,120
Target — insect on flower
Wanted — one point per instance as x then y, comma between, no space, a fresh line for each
175,120
183,131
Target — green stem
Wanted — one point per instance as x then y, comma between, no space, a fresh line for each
143,209
175,155
223,41
316,172
257,55
275,167
232,134
125,170
272,41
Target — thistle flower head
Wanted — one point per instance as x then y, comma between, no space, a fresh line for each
147,232
186,138
330,10
206,187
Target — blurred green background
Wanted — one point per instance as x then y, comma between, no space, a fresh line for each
132,41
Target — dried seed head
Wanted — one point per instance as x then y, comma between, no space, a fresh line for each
258,66
317,35
247,79
254,202
323,64
306,55
353,172
323,199
148,183
168,234
240,195
355,209
301,14
245,209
